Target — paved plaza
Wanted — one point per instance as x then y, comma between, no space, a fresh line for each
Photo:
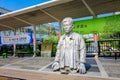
39,68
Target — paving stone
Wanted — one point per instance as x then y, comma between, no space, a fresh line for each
114,75
9,78
38,63
111,66
1,65
31,68
91,61
34,63
94,69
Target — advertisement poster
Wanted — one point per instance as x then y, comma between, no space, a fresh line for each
17,39
98,25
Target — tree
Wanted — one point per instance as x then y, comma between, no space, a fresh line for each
46,29
112,26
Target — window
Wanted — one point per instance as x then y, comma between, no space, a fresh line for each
1,13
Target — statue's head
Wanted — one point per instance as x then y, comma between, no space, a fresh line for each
68,24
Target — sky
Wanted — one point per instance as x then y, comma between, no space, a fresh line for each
19,4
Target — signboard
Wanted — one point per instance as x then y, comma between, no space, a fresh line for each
17,39
98,25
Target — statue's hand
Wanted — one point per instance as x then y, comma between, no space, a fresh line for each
55,66
82,68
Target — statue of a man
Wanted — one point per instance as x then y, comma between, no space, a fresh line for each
71,51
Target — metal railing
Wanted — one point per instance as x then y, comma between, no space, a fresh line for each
108,45
102,47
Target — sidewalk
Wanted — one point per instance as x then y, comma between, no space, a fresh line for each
111,66
39,68
35,75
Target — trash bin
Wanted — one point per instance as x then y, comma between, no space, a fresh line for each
4,55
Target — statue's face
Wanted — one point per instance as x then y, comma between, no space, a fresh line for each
68,26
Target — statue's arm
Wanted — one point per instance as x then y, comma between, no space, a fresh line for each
55,64
82,50
58,52
82,69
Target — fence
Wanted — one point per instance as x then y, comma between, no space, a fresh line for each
91,48
102,47
108,45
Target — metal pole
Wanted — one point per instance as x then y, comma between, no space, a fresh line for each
96,42
60,29
34,41
14,46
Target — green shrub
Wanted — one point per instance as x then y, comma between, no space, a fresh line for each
51,39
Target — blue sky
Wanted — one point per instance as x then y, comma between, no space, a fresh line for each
19,4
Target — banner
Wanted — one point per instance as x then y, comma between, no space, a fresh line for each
17,39
98,25
0,40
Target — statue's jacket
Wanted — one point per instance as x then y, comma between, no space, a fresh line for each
77,51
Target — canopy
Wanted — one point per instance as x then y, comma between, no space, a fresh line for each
56,10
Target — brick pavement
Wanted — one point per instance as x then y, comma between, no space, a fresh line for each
35,68
111,66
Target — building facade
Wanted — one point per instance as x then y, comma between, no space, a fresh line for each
10,32
3,11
